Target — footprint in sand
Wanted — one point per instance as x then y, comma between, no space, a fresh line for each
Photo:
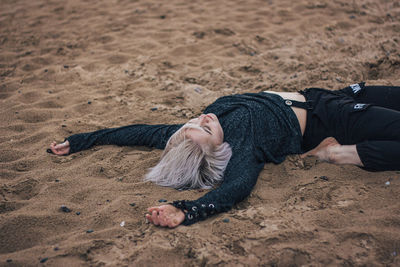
34,116
10,155
22,231
31,139
17,127
7,89
49,104
29,67
103,39
117,59
8,206
92,67
6,70
30,97
7,175
22,165
224,31
293,257
26,189
4,95
187,50
23,190
42,61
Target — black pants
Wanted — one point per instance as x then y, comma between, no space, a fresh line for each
367,116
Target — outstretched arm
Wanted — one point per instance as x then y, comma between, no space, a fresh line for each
132,135
239,179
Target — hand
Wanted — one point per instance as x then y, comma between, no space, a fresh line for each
165,215
60,149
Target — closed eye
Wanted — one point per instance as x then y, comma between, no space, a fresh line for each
207,129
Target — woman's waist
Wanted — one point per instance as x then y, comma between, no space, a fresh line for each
300,113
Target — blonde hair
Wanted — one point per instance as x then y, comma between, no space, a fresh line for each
188,165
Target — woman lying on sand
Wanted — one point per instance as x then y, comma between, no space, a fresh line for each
230,143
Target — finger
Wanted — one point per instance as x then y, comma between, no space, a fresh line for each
163,218
164,207
61,146
154,217
53,148
149,219
153,208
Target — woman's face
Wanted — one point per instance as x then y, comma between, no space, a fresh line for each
211,132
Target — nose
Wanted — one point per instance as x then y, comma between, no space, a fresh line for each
202,119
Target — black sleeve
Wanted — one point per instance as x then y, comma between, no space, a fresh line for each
132,135
239,179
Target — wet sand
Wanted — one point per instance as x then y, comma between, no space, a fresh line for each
75,66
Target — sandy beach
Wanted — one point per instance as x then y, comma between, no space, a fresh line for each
76,66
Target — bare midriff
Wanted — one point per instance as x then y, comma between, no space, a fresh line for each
301,114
